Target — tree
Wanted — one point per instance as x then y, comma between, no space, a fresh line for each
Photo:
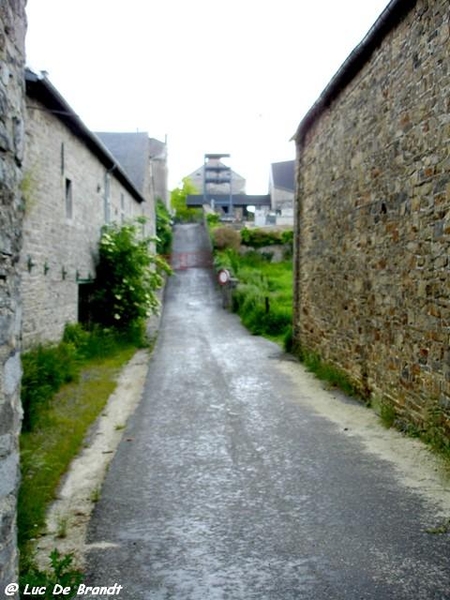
178,201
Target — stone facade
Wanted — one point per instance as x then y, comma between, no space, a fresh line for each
12,39
372,293
237,181
72,187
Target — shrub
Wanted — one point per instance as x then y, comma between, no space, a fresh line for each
163,228
257,238
226,237
128,275
212,220
45,370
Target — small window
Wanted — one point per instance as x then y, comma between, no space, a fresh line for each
69,204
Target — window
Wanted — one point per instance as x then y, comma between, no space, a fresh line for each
69,204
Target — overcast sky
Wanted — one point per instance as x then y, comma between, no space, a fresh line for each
234,77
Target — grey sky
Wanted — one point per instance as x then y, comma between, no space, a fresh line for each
233,77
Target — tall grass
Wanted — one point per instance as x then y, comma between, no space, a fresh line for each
65,387
264,295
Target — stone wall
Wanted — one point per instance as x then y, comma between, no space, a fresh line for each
12,35
60,246
373,218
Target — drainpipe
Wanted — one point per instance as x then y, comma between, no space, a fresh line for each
107,190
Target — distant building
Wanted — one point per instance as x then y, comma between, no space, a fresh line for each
282,184
237,181
282,191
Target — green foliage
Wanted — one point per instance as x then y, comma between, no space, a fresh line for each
287,236
163,228
212,220
45,370
263,296
225,237
62,573
178,202
334,376
257,238
288,340
58,429
387,414
128,275
436,430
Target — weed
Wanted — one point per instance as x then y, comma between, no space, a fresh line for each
61,573
436,430
61,531
387,414
440,529
329,373
95,495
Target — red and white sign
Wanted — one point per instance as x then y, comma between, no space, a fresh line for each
223,276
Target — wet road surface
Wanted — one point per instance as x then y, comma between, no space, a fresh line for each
228,487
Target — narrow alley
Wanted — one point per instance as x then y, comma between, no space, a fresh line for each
230,485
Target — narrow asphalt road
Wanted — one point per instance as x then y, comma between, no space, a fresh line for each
228,486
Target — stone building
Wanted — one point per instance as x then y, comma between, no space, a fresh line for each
72,186
12,107
144,159
282,191
282,185
237,181
372,287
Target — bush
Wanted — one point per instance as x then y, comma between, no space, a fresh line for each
257,238
226,237
127,278
45,370
163,228
212,220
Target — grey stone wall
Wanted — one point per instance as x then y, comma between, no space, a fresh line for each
12,36
373,215
59,250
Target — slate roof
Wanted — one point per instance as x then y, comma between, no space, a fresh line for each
283,175
157,149
224,200
41,89
132,152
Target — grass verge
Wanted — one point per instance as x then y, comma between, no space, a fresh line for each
58,430
264,295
